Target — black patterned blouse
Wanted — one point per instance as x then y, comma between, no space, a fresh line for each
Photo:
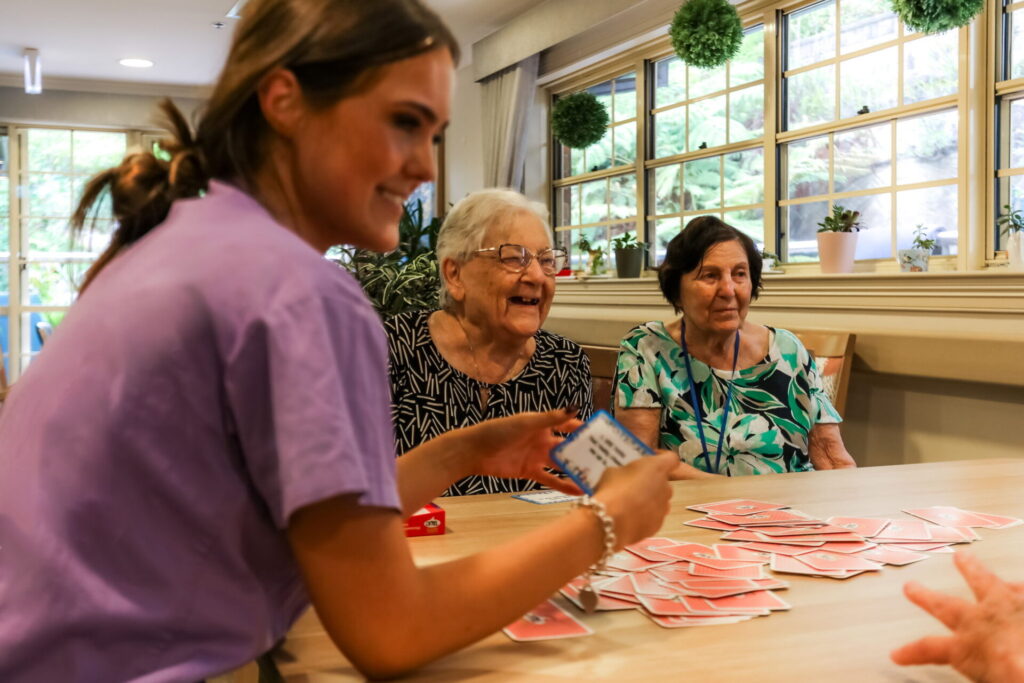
429,397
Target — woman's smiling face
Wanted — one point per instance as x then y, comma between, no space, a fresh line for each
505,302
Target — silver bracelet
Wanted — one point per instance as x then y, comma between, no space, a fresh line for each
588,596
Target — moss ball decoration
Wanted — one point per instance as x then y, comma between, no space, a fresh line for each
936,16
578,120
706,33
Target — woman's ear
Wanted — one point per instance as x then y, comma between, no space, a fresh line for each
451,271
281,101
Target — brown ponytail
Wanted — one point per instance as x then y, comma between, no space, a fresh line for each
142,189
331,46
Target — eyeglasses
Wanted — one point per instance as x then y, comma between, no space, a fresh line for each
516,258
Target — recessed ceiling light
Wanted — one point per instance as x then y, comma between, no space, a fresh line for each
135,63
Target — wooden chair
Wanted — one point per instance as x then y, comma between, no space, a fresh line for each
602,372
833,354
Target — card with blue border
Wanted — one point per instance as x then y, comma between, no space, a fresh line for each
601,442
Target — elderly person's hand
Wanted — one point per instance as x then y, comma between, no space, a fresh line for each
826,450
987,643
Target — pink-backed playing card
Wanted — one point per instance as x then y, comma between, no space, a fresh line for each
833,562
903,530
738,507
629,562
779,548
946,515
708,523
545,622
887,554
756,600
752,571
864,526
766,518
605,603
679,622
735,552
793,565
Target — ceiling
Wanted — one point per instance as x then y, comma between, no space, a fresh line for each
84,39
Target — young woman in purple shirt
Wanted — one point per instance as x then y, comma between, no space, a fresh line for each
205,444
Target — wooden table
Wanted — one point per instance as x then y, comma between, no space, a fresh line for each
836,631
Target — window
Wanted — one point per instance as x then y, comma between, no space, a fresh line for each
1010,114
828,102
693,112
899,171
43,268
596,188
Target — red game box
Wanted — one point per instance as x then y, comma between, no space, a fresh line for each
427,521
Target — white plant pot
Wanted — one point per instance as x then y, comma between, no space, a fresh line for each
913,260
1015,250
836,251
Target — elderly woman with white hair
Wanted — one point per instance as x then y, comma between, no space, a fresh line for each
484,354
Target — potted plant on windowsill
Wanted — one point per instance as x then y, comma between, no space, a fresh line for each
1012,224
915,259
595,258
629,255
837,240
769,262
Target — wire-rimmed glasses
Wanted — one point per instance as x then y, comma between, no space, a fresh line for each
516,258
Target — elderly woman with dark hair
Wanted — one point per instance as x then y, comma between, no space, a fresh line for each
484,354
729,396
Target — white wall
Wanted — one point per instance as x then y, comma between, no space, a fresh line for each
93,109
464,156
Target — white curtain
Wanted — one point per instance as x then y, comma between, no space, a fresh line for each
507,96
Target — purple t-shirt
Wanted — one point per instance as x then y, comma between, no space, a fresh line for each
218,376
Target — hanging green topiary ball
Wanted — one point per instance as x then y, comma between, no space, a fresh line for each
578,120
706,33
936,16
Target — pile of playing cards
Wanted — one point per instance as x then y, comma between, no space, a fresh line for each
841,547
675,584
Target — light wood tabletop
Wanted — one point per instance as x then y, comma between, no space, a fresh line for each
836,630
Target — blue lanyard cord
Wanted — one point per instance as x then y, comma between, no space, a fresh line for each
696,402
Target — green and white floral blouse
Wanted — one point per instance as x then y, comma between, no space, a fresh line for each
774,403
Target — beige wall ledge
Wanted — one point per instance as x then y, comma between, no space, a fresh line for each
953,326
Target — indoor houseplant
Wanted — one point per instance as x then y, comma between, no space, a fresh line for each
915,259
1012,224
405,279
837,240
629,255
769,262
595,257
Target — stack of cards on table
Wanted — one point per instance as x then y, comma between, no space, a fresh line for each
675,584
841,547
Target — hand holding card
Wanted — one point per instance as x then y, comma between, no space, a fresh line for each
599,444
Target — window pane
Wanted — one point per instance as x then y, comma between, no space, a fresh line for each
95,152
571,161
669,82
812,36
863,158
1016,200
666,189
599,155
52,284
5,234
670,132
603,93
749,221
746,114
868,81
863,23
664,230
926,148
748,64
623,196
933,207
595,201
801,226
49,150
706,81
625,143
102,208
625,98
807,166
702,184
566,210
744,178
49,195
930,67
48,235
1017,44
707,123
875,237
811,97
1016,134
